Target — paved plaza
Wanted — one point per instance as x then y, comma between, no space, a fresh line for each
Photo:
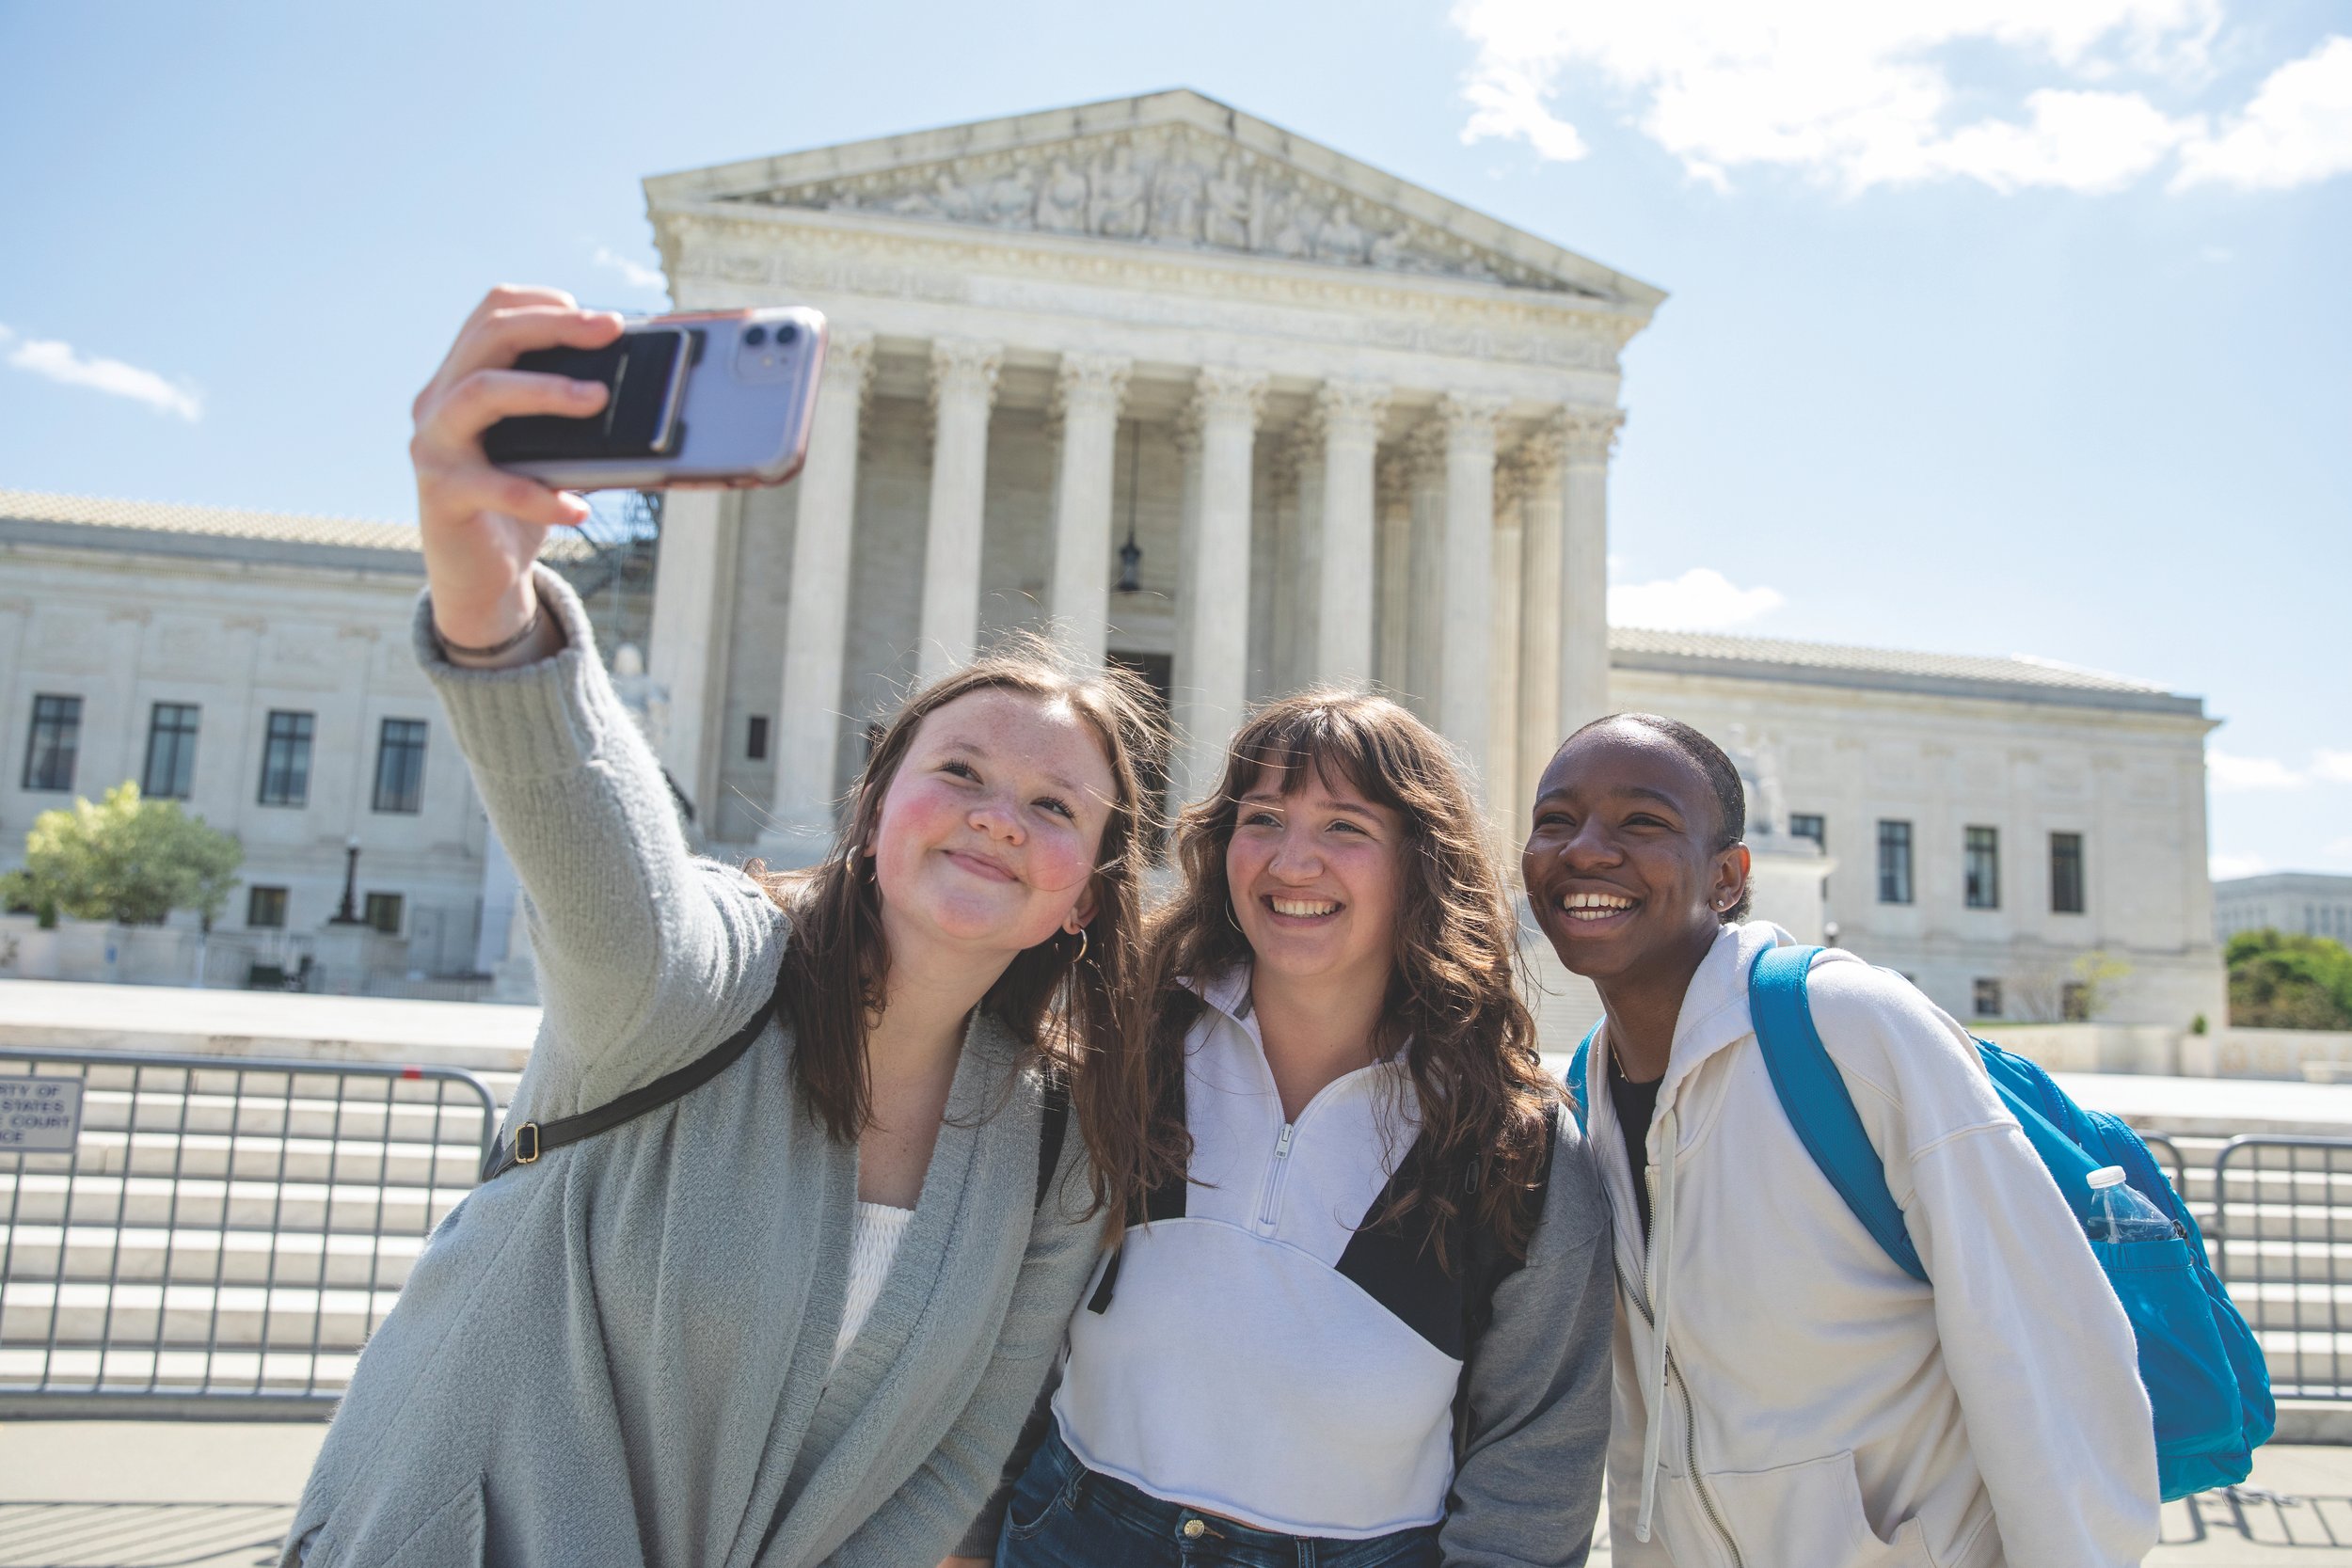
219,1494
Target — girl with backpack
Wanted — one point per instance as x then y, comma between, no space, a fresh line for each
1786,1393
1361,1315
793,1304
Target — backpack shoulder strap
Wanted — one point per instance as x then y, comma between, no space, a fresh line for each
1817,1102
1576,1078
532,1139
1053,1130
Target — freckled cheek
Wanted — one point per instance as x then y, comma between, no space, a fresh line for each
915,817
1058,861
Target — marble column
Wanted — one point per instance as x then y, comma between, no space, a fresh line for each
1087,397
964,387
1295,468
1588,434
1424,604
1392,498
1505,786
1469,595
1213,690
1538,719
1187,556
806,736
693,600
1350,413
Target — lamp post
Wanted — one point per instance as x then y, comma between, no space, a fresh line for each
347,916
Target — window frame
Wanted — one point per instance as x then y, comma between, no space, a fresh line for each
1980,881
2067,856
370,904
293,772
1820,824
385,801
183,747
53,734
1897,861
1983,987
254,894
756,737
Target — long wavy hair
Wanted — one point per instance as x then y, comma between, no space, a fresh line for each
1453,1007
1079,1015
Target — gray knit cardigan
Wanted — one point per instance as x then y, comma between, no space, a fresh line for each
620,1356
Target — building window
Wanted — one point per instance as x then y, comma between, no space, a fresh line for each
265,908
756,739
57,736
2066,873
1984,868
383,912
1815,828
400,766
1988,998
170,753
286,759
2075,1002
1894,863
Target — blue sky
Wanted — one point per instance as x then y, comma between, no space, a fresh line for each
2006,327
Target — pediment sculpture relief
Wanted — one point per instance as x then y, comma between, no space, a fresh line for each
1172,188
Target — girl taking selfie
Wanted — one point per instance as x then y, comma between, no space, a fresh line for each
1362,1316
793,1304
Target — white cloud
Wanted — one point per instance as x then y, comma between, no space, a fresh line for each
1862,95
62,362
2334,766
1701,599
2231,775
635,274
2297,131
2222,868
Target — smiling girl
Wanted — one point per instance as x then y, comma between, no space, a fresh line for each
1786,1394
793,1304
1362,1315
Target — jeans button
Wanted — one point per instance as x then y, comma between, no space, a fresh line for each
1195,1529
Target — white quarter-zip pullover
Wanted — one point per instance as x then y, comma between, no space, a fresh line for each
1785,1394
1239,1371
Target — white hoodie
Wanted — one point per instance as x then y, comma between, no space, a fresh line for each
1786,1397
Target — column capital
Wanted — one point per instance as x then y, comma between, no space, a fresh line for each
1589,434
1352,410
849,362
1470,420
962,368
1229,394
1094,382
1515,474
1424,450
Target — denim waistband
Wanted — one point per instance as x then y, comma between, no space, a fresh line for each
1180,1524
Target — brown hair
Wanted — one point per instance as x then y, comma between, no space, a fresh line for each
1453,1009
1080,1017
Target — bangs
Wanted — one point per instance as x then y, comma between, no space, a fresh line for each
1324,742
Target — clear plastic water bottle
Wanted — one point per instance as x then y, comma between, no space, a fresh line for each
2118,1212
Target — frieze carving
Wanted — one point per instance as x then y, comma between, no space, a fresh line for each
1168,186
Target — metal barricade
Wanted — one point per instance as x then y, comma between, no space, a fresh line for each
2168,1153
215,1234
2282,1219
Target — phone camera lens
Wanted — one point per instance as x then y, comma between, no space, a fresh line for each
785,332
755,336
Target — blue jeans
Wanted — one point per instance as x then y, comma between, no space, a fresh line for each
1064,1515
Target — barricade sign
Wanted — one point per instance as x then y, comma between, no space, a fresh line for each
40,1115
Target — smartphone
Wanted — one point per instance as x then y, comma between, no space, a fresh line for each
705,397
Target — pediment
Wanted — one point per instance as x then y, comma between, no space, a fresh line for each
1171,169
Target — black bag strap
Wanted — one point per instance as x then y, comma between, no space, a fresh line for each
1488,1266
533,1139
528,1142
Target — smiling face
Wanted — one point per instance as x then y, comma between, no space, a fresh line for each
1316,876
987,837
1628,866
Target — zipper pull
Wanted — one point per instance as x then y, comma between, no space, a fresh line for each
1283,1144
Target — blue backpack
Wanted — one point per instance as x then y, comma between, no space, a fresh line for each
2203,1366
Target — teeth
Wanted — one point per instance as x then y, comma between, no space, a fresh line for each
1595,906
1302,907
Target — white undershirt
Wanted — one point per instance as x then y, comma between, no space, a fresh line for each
873,1243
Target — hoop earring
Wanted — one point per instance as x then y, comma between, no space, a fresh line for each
1229,920
1080,955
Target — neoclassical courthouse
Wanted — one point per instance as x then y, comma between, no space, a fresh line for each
1188,391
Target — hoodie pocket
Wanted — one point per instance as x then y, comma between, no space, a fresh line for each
1811,1513
450,1537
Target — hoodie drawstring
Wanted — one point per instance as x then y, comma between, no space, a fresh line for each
1661,1239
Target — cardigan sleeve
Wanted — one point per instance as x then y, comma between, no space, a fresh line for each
646,954
1527,1488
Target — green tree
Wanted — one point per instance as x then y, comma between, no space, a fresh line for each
125,859
2284,982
